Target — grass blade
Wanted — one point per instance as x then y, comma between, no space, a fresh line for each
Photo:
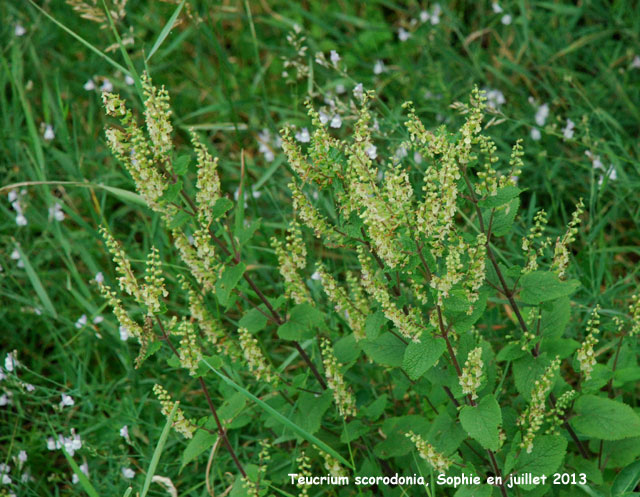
80,39
285,421
165,31
158,452
84,481
36,283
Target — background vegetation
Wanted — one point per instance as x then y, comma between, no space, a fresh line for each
223,65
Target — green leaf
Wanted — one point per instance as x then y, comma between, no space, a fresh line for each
36,283
374,324
503,196
220,208
253,321
165,31
201,441
420,357
604,418
542,286
82,478
374,410
627,480
503,217
555,317
353,430
228,281
181,165
527,370
346,349
387,350
302,319
245,234
282,419
482,421
545,457
311,409
173,192
179,220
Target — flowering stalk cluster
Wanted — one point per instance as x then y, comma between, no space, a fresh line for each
533,417
255,357
292,258
471,377
585,355
181,424
561,252
342,395
427,452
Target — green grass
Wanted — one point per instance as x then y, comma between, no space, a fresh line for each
223,67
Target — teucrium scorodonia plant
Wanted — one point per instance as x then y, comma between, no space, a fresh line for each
404,336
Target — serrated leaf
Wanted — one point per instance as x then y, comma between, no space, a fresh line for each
604,418
201,441
228,281
245,234
545,457
482,422
503,217
374,410
179,220
173,192
253,321
311,409
302,318
222,205
181,165
386,350
555,317
542,286
353,430
374,324
527,370
503,196
346,349
420,357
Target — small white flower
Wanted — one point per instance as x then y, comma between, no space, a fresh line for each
541,114
129,80
82,320
334,57
401,153
124,432
324,117
5,399
496,8
21,220
99,278
403,34
568,130
124,333
4,468
22,456
10,362
56,212
89,85
316,276
535,134
128,473
19,30
303,136
378,67
48,132
358,91
424,16
417,157
336,121
3,376
51,443
106,85
506,19
435,19
12,196
29,387
340,89
635,63
6,480
372,152
15,255
495,98
67,400
98,320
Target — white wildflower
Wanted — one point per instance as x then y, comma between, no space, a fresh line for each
372,152
568,130
56,212
303,135
403,34
635,63
19,30
98,320
358,91
496,8
89,85
379,67
506,19
324,117
106,86
48,132
541,114
128,473
15,255
424,16
336,121
67,400
129,80
22,456
99,277
10,362
535,134
334,57
124,333
82,320
21,220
